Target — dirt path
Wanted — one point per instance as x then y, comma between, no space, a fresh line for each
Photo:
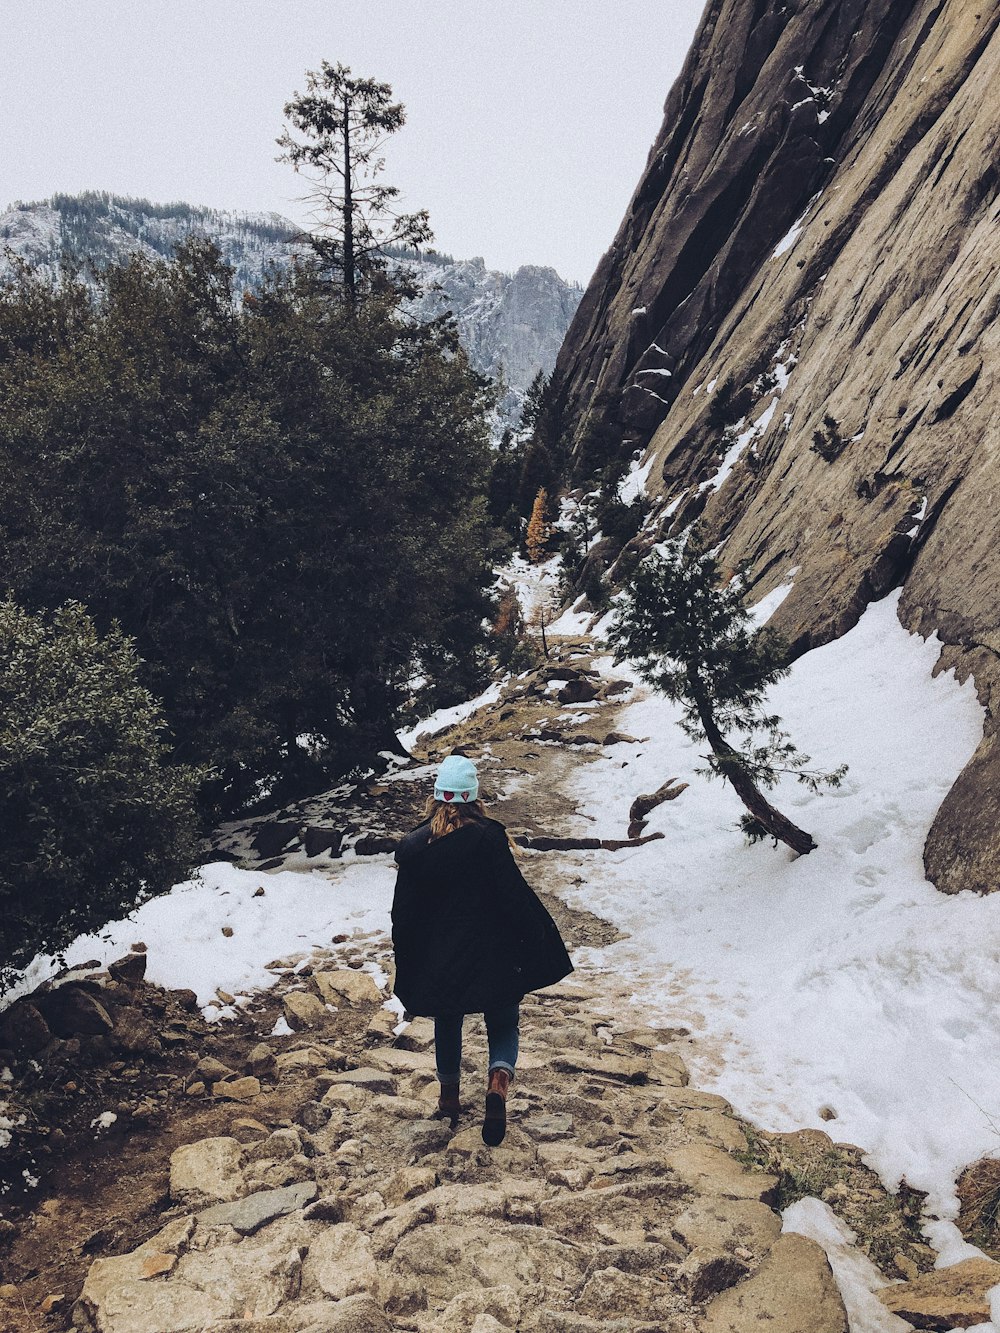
302,1184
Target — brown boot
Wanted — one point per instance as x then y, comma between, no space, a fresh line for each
495,1122
449,1106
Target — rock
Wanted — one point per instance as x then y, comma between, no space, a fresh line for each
8,1291
249,1214
354,1314
71,1011
548,1128
303,1010
130,969
23,1029
279,1146
133,1032
382,1028
609,1292
228,933
954,1297
348,986
273,837
260,1061
418,1035
721,1130
407,1183
793,1291
403,1062
709,1170
237,1089
500,1304
577,692
195,1089
341,1263
719,1226
246,1130
617,1067
52,1303
620,738
373,844
706,1273
305,1061
314,1115
211,1070
317,840
205,1289
371,1080
187,999
157,1265
206,1172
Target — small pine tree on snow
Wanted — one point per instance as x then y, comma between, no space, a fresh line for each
692,638
537,536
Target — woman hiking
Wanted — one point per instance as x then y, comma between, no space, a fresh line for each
470,936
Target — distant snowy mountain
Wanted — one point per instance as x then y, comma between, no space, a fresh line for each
511,325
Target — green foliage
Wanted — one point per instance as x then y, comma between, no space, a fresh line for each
279,500
94,817
693,639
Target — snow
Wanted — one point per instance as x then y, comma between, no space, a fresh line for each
792,235
633,484
103,1121
745,438
842,979
448,717
857,1277
182,929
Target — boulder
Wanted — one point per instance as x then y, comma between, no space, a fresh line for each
304,1010
317,840
23,1029
719,1226
129,970
237,1089
340,1262
954,1297
72,1011
260,1061
793,1291
371,1080
204,1289
711,1171
206,1172
273,837
578,692
348,986
249,1214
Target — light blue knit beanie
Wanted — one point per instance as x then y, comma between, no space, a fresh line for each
456,781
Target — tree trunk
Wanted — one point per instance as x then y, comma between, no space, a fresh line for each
746,789
350,281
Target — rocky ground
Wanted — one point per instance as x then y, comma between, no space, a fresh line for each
250,1181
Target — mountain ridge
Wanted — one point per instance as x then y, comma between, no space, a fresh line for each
511,325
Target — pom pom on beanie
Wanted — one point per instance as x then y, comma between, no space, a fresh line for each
456,782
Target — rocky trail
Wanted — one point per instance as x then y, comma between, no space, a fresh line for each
292,1176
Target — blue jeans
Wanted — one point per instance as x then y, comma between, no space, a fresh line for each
501,1033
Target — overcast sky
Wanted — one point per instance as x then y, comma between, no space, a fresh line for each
529,121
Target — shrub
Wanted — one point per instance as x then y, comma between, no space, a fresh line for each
94,818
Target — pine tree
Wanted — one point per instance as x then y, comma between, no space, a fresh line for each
345,122
692,638
538,533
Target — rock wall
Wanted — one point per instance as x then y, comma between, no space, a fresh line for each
797,319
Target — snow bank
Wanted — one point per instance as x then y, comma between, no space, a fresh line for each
840,980
183,929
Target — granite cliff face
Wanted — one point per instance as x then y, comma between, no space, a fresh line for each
511,325
798,321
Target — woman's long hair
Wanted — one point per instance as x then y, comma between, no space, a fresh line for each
447,816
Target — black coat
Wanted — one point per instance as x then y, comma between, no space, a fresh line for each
469,933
